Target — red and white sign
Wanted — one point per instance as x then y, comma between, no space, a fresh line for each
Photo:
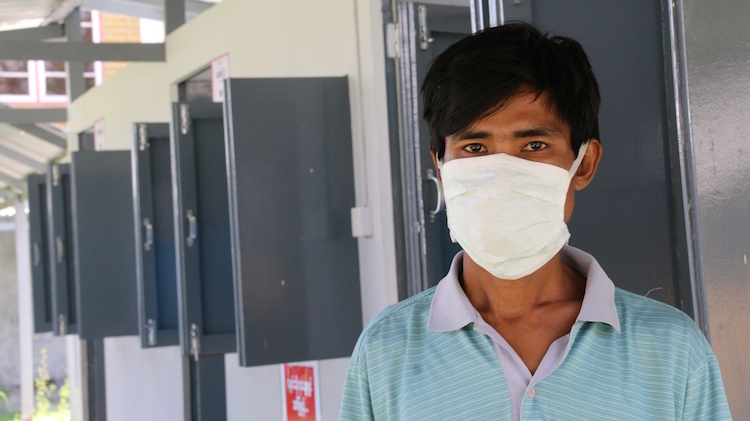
219,72
301,393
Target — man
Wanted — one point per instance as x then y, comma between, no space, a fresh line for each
524,327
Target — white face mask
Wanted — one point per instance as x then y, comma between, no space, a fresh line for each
507,212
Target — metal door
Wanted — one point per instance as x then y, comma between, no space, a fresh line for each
60,254
628,218
154,235
104,244
296,270
203,246
201,224
40,274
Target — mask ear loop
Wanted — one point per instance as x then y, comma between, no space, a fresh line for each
579,159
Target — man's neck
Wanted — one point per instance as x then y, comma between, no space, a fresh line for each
531,312
504,299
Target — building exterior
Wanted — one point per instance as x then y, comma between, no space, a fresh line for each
701,50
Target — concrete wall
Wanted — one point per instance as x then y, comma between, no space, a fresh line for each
718,51
10,360
142,384
283,38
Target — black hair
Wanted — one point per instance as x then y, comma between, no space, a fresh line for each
478,75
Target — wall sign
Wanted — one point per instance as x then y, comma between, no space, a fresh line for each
99,144
301,400
219,72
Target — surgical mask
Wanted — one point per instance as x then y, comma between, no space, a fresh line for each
507,212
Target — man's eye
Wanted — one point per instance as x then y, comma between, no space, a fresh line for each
474,148
535,146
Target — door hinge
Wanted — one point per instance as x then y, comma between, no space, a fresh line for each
424,33
60,249
63,325
35,254
149,234
195,341
151,332
392,49
142,137
184,118
55,175
192,228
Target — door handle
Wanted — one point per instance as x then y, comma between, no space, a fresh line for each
149,234
60,249
35,254
192,228
439,204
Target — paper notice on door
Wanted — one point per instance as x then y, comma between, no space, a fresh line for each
219,72
99,144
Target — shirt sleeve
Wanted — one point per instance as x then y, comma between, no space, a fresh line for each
355,403
705,398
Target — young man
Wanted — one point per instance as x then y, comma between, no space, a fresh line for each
524,327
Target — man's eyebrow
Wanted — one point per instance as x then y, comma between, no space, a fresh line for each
518,134
536,131
471,134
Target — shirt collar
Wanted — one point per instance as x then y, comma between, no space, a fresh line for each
451,309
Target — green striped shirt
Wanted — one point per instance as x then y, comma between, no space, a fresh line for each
658,367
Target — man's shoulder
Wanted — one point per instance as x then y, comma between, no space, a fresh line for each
396,323
395,316
651,321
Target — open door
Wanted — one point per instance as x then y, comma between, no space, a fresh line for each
296,265
202,245
61,243
41,281
104,244
154,235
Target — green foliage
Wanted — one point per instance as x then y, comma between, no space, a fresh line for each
4,398
8,416
43,410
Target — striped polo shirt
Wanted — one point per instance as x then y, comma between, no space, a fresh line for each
411,365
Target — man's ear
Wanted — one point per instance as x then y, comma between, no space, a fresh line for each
590,162
434,162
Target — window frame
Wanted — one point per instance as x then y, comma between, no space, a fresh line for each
31,75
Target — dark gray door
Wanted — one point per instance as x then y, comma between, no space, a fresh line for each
203,245
154,235
40,274
104,244
628,218
445,26
204,262
291,178
96,390
60,240
207,388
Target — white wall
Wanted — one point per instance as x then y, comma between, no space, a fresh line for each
142,384
282,38
255,393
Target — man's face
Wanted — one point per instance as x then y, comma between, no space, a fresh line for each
526,128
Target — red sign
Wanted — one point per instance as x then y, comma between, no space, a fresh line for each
300,392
